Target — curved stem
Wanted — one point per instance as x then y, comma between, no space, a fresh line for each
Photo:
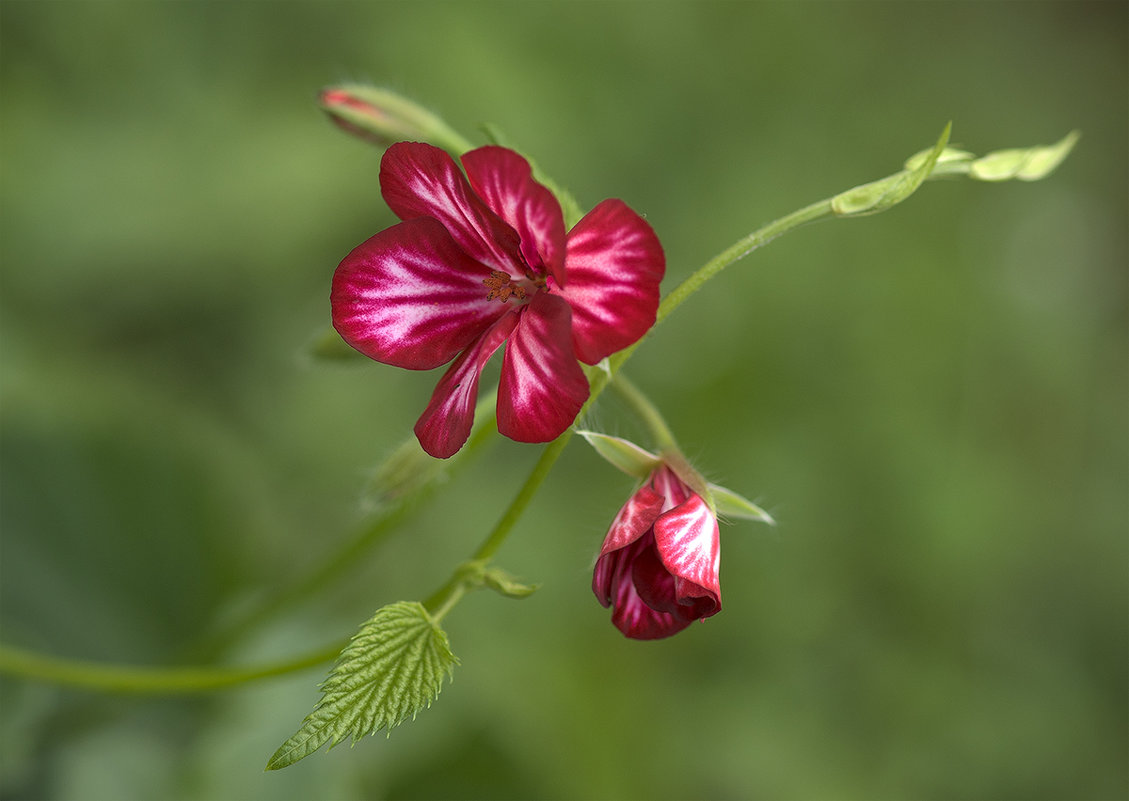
127,679
518,505
647,412
164,681
447,595
740,249
443,599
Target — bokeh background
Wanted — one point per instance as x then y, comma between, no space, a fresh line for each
931,401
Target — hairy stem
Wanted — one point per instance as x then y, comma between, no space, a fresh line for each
660,432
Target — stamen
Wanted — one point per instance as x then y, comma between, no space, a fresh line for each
501,287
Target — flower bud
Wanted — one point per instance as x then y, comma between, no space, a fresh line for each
658,567
1026,164
882,194
383,117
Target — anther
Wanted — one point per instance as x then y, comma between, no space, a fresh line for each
501,287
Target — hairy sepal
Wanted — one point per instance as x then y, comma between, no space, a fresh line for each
622,454
729,504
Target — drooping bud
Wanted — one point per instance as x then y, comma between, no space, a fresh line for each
384,117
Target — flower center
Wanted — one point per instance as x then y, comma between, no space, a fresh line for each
502,286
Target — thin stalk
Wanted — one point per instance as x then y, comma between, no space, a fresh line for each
647,412
449,593
143,680
761,236
129,679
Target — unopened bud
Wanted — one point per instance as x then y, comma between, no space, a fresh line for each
880,195
383,117
1026,164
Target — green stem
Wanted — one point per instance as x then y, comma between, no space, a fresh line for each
647,412
124,679
761,236
447,595
443,599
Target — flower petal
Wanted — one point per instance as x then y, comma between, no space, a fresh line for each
410,297
419,180
653,581
632,522
542,388
667,483
632,616
445,424
689,545
504,180
614,264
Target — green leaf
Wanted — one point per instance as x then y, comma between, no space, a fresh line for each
393,668
1026,164
624,455
882,194
728,503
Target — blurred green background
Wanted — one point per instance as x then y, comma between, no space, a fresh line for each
931,401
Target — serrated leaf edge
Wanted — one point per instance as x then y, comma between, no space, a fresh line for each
432,658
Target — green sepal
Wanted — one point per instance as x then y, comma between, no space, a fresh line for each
624,455
328,346
569,207
1024,164
502,582
393,667
882,194
728,503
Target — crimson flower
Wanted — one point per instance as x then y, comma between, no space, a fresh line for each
658,568
483,259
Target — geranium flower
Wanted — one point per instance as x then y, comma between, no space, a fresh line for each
483,259
658,568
